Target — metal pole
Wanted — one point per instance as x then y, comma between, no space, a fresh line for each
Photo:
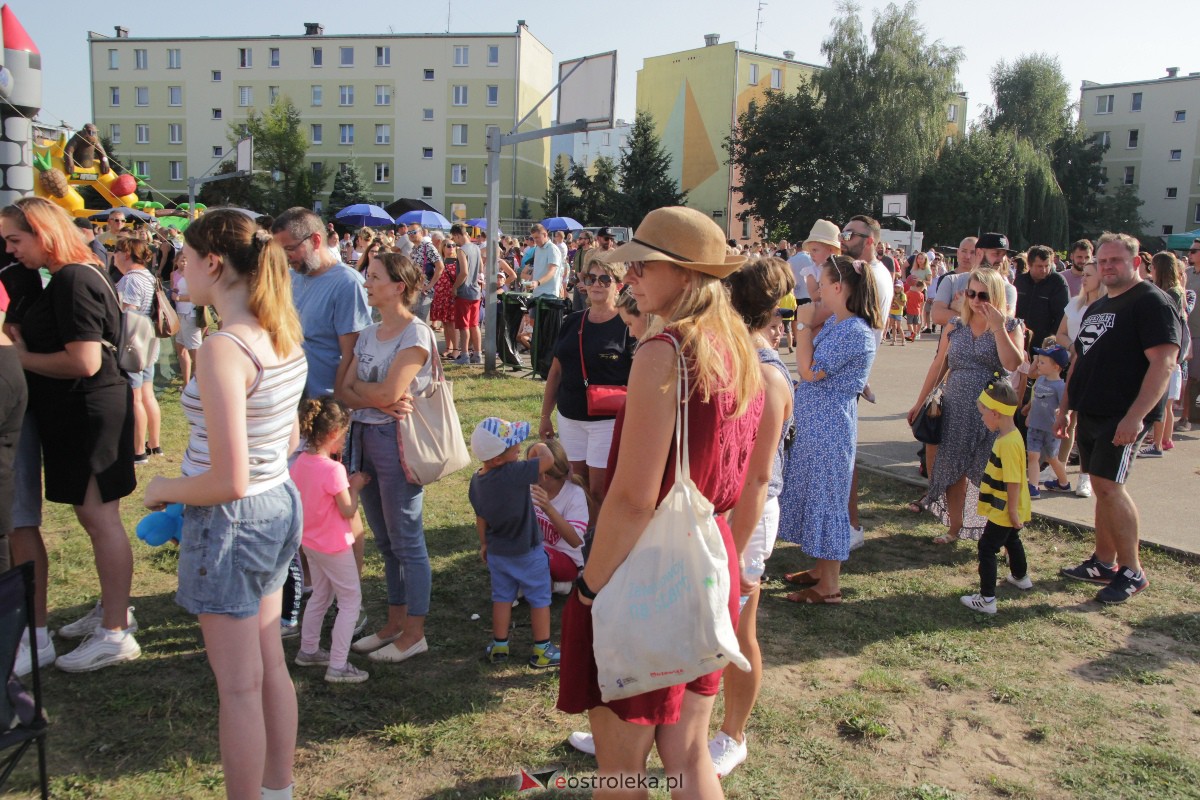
491,270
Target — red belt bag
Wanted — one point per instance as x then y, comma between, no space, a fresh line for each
602,400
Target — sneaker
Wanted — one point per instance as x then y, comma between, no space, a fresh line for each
1034,492
317,658
87,623
1123,586
975,602
497,652
100,649
726,753
857,537
1183,425
561,587
545,657
24,664
1090,571
1149,451
1021,583
347,674
289,630
583,742
463,358
1047,475
1055,486
1084,487
1073,459
475,358
141,459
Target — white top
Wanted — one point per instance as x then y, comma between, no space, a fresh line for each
271,403
885,288
182,307
571,502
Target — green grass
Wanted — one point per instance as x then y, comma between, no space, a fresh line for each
898,693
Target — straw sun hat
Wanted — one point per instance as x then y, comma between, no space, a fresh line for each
683,236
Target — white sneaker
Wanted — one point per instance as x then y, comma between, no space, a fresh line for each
87,623
1084,487
583,742
561,587
1047,475
857,537
1021,583
317,658
24,665
975,602
347,674
101,649
726,753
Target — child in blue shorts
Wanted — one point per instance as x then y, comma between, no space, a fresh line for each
510,541
1040,441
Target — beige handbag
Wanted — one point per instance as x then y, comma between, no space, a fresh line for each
430,438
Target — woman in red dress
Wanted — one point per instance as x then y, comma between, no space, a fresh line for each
676,260
442,309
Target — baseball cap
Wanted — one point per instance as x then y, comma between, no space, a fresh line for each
606,232
1054,351
494,435
992,241
82,222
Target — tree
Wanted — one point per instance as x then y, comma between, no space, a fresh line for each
1032,99
280,148
524,211
597,191
644,174
242,192
1077,165
560,199
349,187
1118,212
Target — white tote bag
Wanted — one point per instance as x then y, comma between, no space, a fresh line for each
663,618
430,438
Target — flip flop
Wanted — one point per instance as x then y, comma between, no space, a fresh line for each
945,538
803,578
811,596
916,508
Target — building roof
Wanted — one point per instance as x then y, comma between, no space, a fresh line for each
1090,85
93,36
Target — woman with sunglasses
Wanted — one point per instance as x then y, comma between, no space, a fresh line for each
598,342
979,345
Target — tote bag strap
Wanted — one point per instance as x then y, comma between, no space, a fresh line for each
682,456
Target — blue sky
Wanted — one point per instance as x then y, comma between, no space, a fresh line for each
1092,39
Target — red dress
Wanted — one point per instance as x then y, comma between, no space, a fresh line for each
442,309
719,445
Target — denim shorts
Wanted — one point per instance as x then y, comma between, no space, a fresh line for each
27,478
530,573
234,554
136,379
1041,441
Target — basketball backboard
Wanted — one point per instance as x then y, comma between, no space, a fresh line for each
895,205
588,90
245,154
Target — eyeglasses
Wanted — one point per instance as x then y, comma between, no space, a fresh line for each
847,236
638,268
983,297
291,248
592,280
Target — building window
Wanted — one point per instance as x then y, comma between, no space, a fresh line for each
218,151
142,168
139,60
273,57
427,115
318,57
1167,230
952,113
1104,103
1176,155
383,56
1104,138
426,152
1181,116
493,95
1129,176
176,170
346,134
426,191
383,172
174,95
245,96
462,55
776,79
272,94
460,95
142,95
318,169
316,132
141,134
216,113
1135,102
607,139
318,95
1172,192
493,55
175,133
245,57
216,76
346,95
1196,217
114,134
173,58
383,134
114,59
754,74
458,173
1103,176
383,95
1133,139
458,134
428,74
745,229
346,56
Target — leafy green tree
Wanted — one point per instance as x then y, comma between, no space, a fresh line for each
242,192
597,191
1077,161
644,174
349,187
560,199
1118,211
1032,99
280,148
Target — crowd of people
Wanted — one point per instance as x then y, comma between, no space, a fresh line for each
323,344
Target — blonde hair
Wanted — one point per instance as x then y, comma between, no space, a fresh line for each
615,269
55,230
993,282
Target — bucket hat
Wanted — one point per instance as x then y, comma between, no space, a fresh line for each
826,233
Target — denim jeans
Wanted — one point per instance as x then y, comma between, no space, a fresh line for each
394,510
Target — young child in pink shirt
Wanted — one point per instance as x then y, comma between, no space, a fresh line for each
329,500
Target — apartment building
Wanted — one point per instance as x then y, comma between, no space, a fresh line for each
584,148
412,110
1152,129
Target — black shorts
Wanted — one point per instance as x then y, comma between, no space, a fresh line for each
1098,456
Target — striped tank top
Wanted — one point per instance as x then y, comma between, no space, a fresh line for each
271,404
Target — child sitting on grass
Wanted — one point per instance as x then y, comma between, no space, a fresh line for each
561,502
1040,441
509,540
1003,498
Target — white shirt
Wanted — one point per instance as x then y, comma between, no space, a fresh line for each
885,288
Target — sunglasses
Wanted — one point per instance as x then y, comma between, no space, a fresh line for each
1194,250
592,280
981,296
637,267
847,236
412,233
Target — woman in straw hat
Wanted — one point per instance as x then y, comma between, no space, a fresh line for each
676,260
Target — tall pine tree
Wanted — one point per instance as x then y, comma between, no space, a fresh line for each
349,187
560,199
644,173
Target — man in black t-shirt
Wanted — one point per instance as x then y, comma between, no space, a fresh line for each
1042,295
1125,353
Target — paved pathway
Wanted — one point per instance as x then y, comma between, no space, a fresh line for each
1166,490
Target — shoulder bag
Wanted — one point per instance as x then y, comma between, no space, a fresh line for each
602,400
430,438
162,312
663,617
136,339
927,426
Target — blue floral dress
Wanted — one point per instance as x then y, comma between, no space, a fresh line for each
814,505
